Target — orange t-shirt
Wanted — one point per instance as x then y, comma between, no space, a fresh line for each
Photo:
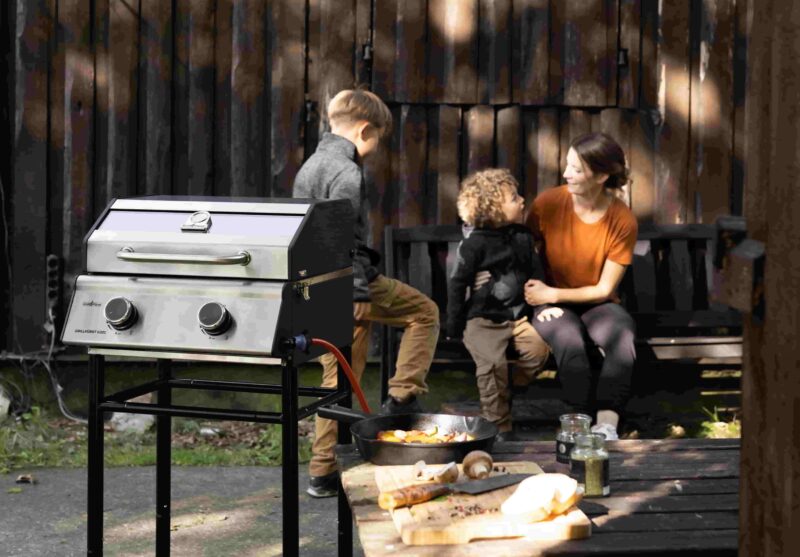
575,251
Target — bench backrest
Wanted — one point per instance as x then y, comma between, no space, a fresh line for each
666,288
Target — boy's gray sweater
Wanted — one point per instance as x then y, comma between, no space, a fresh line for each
333,173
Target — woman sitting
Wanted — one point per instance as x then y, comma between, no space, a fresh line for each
587,235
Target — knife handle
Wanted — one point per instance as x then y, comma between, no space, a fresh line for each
411,495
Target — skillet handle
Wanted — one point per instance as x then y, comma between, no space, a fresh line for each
341,414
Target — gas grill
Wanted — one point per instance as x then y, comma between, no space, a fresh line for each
228,280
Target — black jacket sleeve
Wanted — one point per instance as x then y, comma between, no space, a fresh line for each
462,277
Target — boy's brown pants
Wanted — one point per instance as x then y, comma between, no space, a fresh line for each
487,342
399,305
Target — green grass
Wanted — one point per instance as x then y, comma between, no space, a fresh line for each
38,440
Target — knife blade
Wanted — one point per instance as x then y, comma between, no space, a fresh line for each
413,494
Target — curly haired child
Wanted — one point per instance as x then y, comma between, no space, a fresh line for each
495,313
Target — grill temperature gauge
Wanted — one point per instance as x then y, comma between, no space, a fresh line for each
120,313
214,318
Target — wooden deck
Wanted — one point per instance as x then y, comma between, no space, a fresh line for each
667,497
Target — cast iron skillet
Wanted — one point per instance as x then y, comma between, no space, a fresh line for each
365,430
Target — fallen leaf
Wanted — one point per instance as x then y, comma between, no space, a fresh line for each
13,490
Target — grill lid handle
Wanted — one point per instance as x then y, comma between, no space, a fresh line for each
127,254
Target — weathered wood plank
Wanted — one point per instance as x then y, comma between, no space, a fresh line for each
334,60
286,35
739,99
250,145
223,58
494,52
27,194
452,57
672,134
478,136
408,160
76,176
773,165
642,166
630,35
117,45
709,179
584,53
648,96
155,98
380,192
194,101
573,122
541,164
444,123
398,71
363,46
508,141
530,51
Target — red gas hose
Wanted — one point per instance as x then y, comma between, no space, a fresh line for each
347,371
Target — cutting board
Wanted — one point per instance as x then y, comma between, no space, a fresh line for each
460,518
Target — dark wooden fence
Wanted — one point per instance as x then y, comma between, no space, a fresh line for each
114,98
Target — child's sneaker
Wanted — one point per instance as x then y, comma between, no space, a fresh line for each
606,429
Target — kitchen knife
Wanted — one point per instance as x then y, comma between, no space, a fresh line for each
413,494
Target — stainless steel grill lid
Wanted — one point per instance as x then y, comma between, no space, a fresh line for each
213,275
284,239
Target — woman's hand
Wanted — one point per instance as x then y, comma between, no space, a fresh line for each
550,313
481,278
538,293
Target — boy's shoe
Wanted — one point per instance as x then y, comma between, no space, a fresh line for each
323,486
409,406
606,429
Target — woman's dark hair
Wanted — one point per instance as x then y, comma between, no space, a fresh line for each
602,155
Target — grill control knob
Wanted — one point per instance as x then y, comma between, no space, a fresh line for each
214,319
120,313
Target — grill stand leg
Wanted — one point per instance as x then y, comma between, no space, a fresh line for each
345,516
163,461
291,491
94,531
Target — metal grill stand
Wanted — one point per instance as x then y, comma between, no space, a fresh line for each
163,409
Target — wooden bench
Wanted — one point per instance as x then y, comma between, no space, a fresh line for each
666,290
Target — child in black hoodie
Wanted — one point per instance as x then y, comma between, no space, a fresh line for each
495,313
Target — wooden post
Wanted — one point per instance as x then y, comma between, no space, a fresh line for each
769,490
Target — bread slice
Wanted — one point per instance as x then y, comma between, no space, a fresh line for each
541,496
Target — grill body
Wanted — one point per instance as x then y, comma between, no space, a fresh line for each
229,280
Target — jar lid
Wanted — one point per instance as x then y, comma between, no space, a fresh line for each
590,440
575,418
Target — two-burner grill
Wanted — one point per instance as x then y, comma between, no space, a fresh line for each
232,280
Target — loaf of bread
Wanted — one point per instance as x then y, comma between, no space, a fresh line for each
541,496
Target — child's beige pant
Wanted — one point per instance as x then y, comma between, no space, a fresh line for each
487,342
399,305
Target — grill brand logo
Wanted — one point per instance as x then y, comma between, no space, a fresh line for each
91,303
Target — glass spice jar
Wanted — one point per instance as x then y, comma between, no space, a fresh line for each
571,424
589,464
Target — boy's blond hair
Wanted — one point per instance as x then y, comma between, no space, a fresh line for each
481,197
352,105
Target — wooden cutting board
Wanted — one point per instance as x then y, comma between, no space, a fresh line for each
460,518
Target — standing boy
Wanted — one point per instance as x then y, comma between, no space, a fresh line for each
358,119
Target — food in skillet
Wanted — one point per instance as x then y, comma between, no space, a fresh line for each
431,435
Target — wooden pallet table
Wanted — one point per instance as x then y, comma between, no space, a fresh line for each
667,497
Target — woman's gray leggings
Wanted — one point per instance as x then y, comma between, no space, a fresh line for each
572,336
